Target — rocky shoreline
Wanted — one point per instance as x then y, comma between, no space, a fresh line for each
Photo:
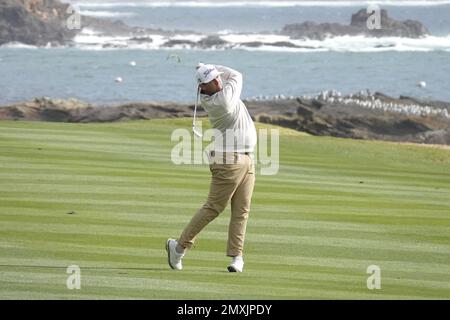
363,115
44,23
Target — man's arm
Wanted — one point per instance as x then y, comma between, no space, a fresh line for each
232,86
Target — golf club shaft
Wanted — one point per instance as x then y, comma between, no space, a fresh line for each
195,107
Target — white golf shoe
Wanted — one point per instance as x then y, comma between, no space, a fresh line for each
173,257
237,265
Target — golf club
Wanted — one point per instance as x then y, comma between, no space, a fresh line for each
194,129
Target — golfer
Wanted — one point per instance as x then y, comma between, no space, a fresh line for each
231,164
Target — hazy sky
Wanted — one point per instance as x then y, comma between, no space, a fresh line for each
233,0
224,1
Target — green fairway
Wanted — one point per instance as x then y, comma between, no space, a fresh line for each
336,207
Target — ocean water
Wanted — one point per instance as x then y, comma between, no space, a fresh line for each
216,16
347,64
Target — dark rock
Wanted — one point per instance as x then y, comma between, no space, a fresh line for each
40,22
172,43
317,104
55,115
382,126
317,117
313,30
410,99
141,39
389,26
358,26
252,44
206,43
211,41
382,96
111,27
264,118
34,22
384,46
284,44
114,45
304,111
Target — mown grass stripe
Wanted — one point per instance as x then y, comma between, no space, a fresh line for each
336,207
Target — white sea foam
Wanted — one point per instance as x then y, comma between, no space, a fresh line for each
17,45
107,14
89,31
225,32
267,38
338,3
99,39
188,37
89,38
270,48
371,44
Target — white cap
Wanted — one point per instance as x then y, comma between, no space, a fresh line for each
206,73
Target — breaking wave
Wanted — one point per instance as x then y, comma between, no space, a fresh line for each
107,14
89,39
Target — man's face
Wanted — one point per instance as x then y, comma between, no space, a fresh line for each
211,87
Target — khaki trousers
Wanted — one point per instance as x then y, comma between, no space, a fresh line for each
230,182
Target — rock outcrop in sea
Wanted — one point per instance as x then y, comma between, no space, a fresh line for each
358,26
34,22
44,22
